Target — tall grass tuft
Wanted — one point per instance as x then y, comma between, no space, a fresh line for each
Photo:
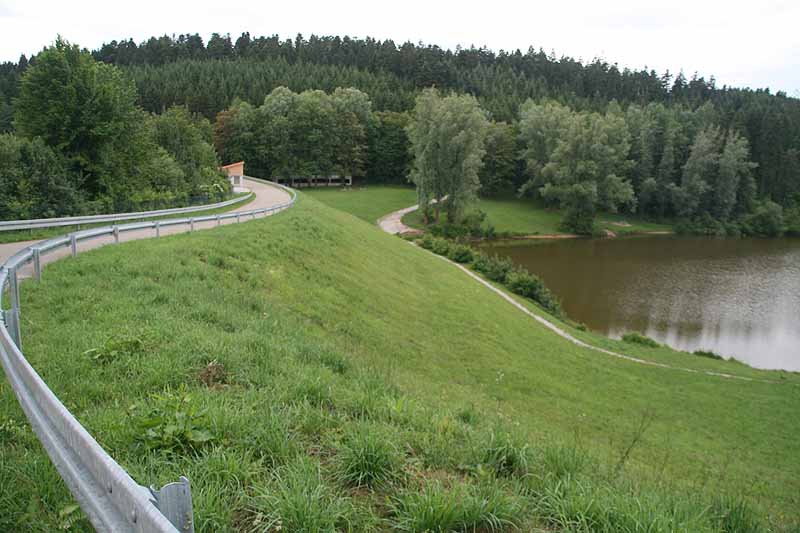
735,516
462,507
297,499
505,454
368,457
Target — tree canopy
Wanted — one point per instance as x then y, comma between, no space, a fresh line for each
294,135
82,144
447,136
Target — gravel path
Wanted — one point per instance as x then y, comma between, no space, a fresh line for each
393,222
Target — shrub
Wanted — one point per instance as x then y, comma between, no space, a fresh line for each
707,353
368,457
635,337
426,241
765,221
440,246
494,268
173,422
447,230
461,253
520,281
472,224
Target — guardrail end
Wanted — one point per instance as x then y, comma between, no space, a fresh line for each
174,500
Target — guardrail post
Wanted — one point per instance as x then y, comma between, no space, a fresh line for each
174,500
37,264
158,228
238,218
73,244
116,234
191,224
219,220
13,286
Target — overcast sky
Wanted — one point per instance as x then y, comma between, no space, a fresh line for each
754,43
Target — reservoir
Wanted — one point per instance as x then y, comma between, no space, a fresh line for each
736,297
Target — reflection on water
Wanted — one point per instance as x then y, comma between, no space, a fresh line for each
737,298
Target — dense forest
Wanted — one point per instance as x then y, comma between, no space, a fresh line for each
681,136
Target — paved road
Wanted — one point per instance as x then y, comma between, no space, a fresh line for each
266,196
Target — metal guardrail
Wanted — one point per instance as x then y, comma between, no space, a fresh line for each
38,223
111,499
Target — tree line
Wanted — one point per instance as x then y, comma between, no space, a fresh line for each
81,145
208,76
655,119
654,160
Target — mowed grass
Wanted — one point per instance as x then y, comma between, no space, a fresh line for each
369,203
335,378
524,216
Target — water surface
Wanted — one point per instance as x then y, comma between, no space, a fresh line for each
736,297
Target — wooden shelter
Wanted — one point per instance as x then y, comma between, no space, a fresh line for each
235,173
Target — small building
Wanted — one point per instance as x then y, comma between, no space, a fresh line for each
235,173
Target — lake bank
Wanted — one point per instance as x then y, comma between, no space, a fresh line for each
735,297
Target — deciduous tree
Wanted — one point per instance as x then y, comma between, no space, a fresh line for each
447,136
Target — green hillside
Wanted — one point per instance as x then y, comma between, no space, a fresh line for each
354,382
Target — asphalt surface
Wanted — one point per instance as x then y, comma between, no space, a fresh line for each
266,196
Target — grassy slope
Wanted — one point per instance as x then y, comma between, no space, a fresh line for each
46,233
524,216
367,203
325,324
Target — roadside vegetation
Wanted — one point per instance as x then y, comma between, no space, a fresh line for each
82,146
329,377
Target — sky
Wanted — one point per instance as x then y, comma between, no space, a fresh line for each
744,44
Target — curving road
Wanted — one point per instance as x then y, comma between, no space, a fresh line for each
393,222
265,196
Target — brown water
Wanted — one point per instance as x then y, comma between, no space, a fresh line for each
736,297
